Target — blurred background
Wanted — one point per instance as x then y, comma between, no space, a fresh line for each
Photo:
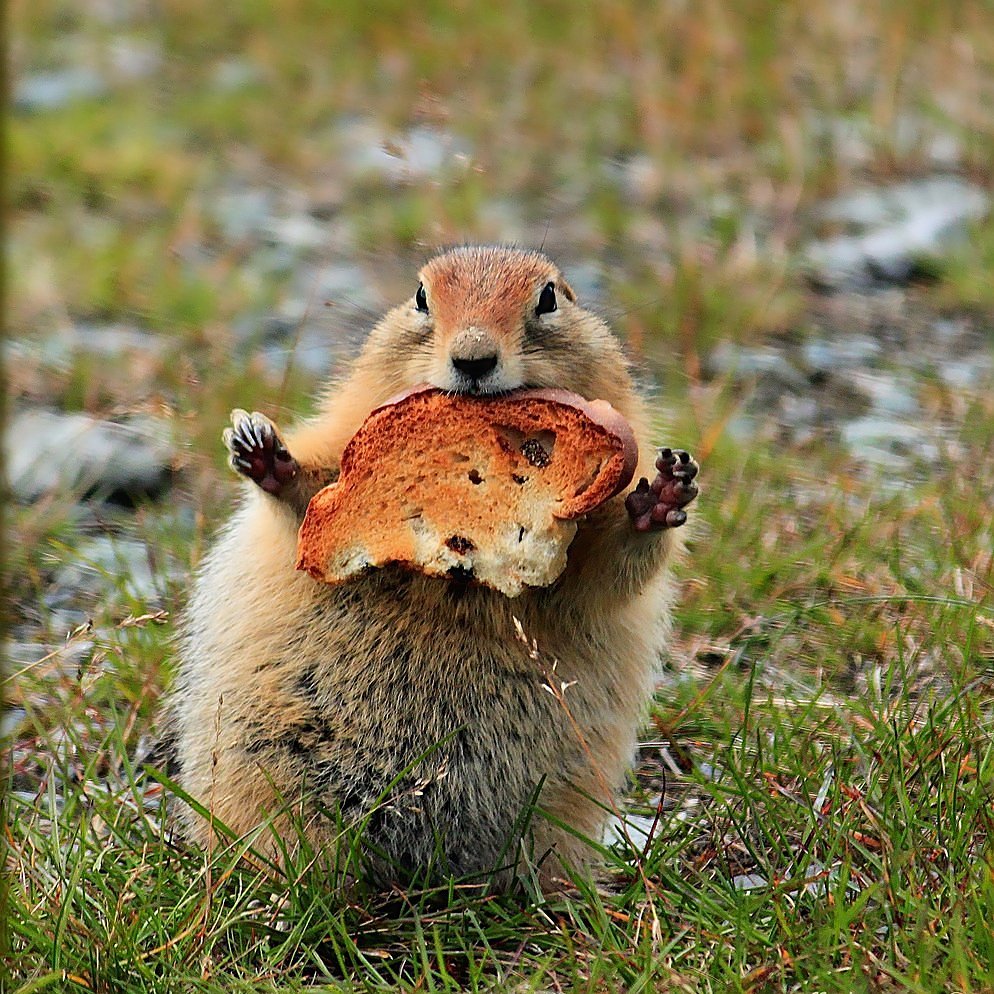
784,210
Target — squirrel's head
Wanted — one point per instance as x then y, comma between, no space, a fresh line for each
494,315
492,319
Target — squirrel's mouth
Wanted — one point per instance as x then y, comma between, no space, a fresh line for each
483,390
468,387
449,389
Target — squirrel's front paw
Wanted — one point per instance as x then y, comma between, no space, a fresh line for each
256,451
660,504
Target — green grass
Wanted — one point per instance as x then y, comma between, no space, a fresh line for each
866,818
824,729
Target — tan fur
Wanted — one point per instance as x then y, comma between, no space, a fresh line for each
325,695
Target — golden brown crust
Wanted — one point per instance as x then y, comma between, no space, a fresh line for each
492,493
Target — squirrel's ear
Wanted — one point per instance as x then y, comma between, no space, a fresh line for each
567,291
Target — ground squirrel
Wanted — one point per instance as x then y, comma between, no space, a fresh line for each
292,692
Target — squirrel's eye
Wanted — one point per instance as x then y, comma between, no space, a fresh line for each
421,299
547,300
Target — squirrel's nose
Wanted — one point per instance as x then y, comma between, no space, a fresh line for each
477,368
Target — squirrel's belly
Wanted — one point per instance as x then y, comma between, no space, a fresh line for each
410,708
447,765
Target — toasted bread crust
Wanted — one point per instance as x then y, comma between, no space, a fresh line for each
486,488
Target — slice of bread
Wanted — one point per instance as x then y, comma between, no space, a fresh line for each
481,488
